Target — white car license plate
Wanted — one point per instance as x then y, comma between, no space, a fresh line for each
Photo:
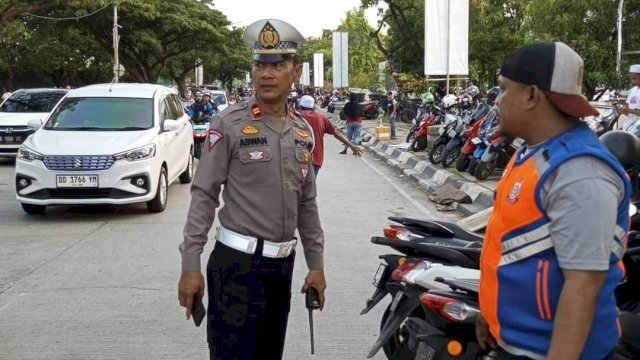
77,181
452,133
476,141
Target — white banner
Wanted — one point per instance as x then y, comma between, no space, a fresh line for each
318,70
304,80
446,37
340,59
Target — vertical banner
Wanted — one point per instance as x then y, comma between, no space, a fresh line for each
318,70
340,59
446,37
247,78
199,73
305,74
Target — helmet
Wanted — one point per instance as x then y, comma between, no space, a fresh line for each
624,146
492,94
207,93
449,100
472,91
427,98
198,93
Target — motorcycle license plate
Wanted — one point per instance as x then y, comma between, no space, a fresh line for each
441,131
200,127
424,352
476,141
452,133
380,274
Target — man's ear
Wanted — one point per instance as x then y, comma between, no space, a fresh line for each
534,96
297,68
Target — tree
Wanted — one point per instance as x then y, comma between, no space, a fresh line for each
232,62
363,53
324,46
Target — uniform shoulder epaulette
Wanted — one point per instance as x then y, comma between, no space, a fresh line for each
233,112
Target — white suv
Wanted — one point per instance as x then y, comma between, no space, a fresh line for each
107,144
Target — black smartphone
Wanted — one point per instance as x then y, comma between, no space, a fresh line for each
198,312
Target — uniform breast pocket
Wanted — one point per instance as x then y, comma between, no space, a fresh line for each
257,166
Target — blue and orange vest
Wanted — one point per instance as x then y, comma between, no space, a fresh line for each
521,280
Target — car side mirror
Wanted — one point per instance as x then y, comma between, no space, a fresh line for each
34,124
170,125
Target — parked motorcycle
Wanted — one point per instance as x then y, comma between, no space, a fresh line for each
431,249
488,127
465,131
200,125
497,154
446,133
425,118
370,110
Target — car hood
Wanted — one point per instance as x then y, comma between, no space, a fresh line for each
19,119
56,142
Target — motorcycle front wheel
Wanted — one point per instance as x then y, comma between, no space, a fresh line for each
485,169
463,162
411,136
473,163
450,156
436,154
197,151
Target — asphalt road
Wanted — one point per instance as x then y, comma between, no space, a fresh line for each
101,282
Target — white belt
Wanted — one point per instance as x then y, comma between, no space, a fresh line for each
248,244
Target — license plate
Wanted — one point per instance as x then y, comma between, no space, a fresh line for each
424,352
77,181
476,141
382,270
10,139
441,131
200,127
452,133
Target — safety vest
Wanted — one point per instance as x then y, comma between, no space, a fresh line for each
521,280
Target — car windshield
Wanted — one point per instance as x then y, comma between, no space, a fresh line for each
102,114
220,99
31,102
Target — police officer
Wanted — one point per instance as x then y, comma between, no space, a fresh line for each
261,151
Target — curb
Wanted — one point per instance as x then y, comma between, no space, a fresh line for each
423,173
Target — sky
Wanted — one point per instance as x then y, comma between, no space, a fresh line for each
310,17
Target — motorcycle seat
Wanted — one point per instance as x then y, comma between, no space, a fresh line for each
439,228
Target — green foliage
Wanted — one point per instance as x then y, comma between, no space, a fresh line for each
363,54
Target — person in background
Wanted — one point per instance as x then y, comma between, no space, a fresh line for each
353,115
551,257
187,99
321,126
632,108
259,156
199,105
392,110
208,99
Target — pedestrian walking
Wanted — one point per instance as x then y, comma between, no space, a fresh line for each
353,115
321,126
260,150
553,245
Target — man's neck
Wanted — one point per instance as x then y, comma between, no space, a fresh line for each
549,126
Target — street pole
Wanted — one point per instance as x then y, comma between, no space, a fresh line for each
116,40
448,43
619,58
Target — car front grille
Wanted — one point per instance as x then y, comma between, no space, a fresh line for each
78,163
97,193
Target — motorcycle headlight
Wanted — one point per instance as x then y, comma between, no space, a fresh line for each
26,154
141,153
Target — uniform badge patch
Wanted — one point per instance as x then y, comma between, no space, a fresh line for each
307,156
256,155
256,112
302,134
305,171
515,191
214,137
250,130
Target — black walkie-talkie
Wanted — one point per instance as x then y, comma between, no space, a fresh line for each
312,300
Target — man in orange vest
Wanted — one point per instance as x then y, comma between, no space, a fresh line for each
551,256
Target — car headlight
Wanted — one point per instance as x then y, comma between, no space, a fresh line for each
140,153
26,154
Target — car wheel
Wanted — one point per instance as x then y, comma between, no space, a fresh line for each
34,209
159,203
187,174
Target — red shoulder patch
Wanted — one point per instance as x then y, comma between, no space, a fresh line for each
214,137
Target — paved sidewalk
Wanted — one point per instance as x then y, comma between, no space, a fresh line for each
417,168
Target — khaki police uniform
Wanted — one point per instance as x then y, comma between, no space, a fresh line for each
269,184
262,165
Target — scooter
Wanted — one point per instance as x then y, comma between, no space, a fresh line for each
431,249
370,109
468,129
200,125
488,128
418,134
496,156
446,133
